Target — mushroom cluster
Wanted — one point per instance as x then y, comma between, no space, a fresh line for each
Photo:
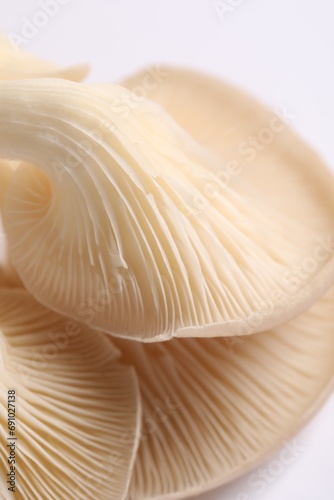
166,282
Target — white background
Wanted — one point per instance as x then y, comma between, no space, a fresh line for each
281,51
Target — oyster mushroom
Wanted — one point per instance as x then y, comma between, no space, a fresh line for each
16,63
75,404
113,221
215,408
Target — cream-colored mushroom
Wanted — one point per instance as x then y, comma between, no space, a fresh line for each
115,223
215,408
16,63
78,412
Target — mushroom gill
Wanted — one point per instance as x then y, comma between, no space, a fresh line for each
75,405
215,408
113,221
261,157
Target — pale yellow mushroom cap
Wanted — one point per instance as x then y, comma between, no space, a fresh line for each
123,221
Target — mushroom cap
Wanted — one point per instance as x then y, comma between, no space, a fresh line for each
16,63
78,412
114,222
215,408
